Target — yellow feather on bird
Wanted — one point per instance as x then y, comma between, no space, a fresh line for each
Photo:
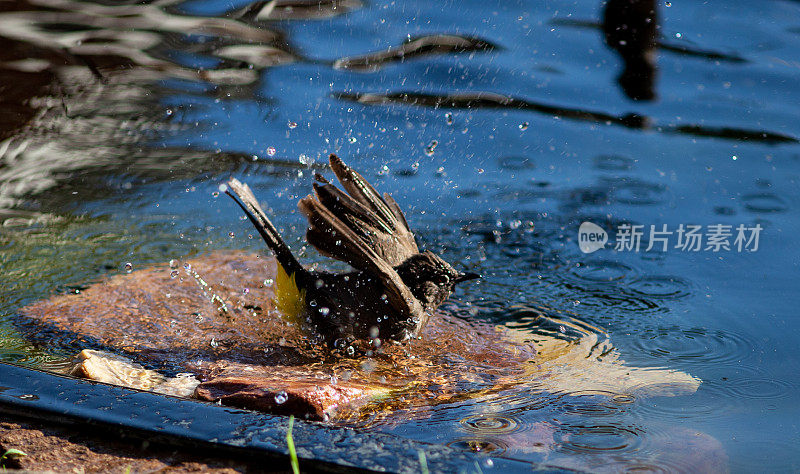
289,299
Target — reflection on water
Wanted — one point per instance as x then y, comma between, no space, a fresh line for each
502,128
414,47
630,29
476,100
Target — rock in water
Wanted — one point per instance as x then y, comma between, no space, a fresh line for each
117,370
212,318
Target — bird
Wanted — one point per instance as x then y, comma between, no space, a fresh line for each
393,288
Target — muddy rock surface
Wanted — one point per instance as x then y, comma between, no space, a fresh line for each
212,319
207,328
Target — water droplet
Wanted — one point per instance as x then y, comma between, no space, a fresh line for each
373,332
352,139
173,263
667,4
678,35
214,343
523,126
215,194
245,291
351,350
431,147
306,160
271,151
480,170
291,124
324,311
268,282
734,157
128,267
173,274
368,366
281,397
448,117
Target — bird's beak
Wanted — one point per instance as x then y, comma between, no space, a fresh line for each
466,277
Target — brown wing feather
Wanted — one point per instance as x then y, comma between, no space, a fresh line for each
332,237
378,221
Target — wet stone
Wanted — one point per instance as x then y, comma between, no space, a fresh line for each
199,335
239,349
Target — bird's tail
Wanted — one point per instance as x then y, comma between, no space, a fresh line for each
244,197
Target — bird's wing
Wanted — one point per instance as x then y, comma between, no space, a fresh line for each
332,237
377,221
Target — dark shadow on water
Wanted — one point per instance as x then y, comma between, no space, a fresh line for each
491,100
630,28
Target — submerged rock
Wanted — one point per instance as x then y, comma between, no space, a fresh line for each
212,320
117,370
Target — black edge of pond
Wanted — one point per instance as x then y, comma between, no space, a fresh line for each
122,412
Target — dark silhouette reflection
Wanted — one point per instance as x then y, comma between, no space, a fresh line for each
81,92
274,10
490,100
415,47
630,29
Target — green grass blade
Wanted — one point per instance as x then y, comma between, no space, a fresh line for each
292,451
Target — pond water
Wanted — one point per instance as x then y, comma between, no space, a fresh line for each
500,127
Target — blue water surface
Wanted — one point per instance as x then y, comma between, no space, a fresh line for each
132,170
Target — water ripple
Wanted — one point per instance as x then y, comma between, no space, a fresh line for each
480,445
697,345
489,424
764,203
602,271
591,439
661,287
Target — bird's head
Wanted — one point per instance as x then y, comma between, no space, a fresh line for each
430,278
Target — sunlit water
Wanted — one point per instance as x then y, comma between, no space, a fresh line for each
120,122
